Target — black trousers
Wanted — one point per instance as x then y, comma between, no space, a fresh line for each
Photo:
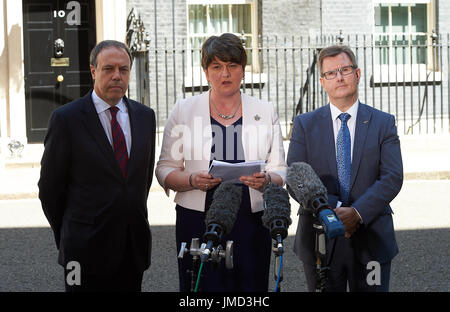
346,272
127,278
252,253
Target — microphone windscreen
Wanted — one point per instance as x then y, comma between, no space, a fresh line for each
225,206
276,205
305,183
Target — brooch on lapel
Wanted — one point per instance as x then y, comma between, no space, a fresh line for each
257,118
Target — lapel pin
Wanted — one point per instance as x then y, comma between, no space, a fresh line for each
257,118
365,121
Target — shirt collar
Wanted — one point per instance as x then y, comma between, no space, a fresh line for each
101,106
335,112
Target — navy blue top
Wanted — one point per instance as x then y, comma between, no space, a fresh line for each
227,147
227,142
252,242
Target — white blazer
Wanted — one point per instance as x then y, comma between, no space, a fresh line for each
187,144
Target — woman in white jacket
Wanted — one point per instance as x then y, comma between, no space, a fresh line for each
227,125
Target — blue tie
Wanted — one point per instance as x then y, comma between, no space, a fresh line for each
343,158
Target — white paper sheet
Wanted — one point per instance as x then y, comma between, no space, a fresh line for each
232,172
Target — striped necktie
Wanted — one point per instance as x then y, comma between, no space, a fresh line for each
343,158
119,144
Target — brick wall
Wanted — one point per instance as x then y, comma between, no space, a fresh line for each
350,16
290,18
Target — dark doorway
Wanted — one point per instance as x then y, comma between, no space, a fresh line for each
58,37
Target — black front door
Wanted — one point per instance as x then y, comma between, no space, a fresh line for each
58,37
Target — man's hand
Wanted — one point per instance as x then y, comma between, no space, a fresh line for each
349,218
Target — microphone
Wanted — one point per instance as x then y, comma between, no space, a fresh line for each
221,215
277,212
312,196
277,218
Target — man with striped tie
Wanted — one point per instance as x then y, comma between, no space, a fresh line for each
355,150
96,172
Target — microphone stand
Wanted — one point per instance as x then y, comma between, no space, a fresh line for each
321,257
195,252
214,256
194,273
278,264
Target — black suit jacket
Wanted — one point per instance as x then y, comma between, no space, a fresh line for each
91,208
376,178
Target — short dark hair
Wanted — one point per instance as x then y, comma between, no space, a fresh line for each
227,48
107,44
336,50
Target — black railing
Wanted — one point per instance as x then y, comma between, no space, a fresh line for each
407,80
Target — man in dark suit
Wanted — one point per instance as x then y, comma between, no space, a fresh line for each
355,150
96,172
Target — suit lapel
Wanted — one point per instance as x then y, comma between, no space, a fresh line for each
361,130
247,122
329,145
95,128
136,136
326,127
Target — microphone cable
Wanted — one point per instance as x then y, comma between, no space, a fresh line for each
198,277
279,273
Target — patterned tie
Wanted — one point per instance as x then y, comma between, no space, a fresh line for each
343,158
120,146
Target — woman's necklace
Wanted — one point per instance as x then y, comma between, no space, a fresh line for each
227,117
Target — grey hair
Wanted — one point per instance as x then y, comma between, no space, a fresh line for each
333,51
107,44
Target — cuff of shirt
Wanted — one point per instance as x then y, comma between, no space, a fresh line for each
360,219
339,204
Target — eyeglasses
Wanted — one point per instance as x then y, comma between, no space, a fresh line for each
345,71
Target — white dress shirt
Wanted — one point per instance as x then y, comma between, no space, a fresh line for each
351,123
104,114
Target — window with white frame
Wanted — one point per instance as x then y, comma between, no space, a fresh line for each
214,17
402,35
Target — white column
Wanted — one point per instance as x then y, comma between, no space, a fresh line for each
14,48
4,79
111,19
